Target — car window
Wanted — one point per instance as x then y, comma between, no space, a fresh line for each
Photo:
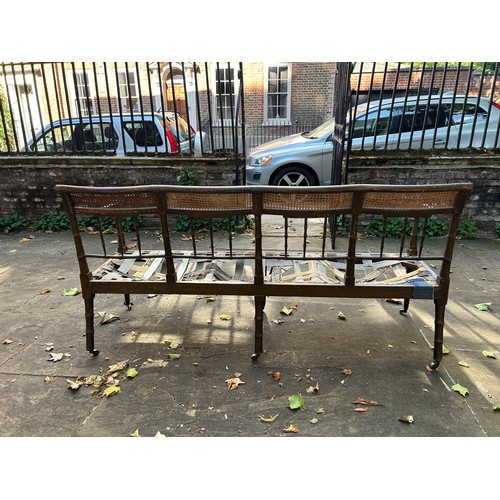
143,133
422,117
466,113
374,123
179,127
57,138
321,130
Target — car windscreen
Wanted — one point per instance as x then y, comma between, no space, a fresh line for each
321,130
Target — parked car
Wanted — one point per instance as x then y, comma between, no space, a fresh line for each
437,121
118,134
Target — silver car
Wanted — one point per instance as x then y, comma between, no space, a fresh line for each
438,121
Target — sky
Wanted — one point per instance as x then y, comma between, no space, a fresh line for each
216,30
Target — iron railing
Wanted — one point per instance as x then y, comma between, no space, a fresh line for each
210,97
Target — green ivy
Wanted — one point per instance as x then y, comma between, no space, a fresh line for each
394,227
183,223
466,230
13,222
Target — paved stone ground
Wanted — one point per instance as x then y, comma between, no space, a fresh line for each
385,355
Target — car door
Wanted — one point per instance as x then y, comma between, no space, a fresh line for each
373,130
471,122
142,136
425,125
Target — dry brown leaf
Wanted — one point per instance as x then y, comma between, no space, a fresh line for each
276,375
368,402
360,409
233,383
291,428
268,420
312,389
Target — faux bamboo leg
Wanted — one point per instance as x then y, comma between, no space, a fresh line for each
406,305
260,302
127,301
89,324
438,333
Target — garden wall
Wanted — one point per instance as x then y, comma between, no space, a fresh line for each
26,183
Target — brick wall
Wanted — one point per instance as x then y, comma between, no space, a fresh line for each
26,187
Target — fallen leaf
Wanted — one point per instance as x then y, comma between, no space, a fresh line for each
313,420
7,341
116,367
360,409
131,373
56,356
320,411
496,407
174,356
312,389
111,391
233,383
406,418
48,379
286,310
71,291
73,385
463,363
347,372
159,435
276,375
135,433
209,298
484,306
368,402
225,317
489,354
268,420
43,291
296,401
341,315
291,428
107,317
461,389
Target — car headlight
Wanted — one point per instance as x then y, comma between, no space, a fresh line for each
261,161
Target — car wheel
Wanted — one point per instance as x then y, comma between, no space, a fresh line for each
294,176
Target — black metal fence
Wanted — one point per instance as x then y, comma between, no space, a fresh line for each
176,108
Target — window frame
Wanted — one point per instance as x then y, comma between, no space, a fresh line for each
281,120
82,83
234,68
124,99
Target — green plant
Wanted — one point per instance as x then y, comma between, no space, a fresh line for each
238,223
497,229
129,224
57,222
52,222
187,177
12,222
466,230
394,227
